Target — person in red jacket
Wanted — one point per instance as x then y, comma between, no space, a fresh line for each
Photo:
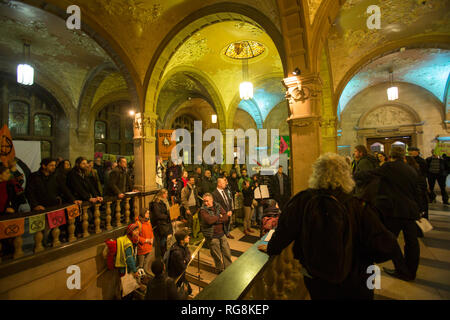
145,239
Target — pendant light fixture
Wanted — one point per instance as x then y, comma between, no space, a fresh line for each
246,87
392,91
25,72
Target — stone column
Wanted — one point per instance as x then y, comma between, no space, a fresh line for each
145,151
329,134
303,94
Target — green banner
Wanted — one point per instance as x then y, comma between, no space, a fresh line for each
283,145
36,223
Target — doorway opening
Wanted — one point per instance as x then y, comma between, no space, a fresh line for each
384,144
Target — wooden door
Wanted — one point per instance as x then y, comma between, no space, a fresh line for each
384,144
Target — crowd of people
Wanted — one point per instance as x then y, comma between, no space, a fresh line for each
351,215
57,183
372,199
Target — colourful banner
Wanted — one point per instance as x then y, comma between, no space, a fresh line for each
73,211
7,151
36,223
165,144
283,145
442,147
56,218
12,228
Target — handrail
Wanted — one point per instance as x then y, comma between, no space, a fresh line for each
16,215
192,258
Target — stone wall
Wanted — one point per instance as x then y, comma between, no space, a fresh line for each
49,281
414,104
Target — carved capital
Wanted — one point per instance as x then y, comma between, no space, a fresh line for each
303,122
145,126
303,93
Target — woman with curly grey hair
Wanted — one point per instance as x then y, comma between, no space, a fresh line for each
336,236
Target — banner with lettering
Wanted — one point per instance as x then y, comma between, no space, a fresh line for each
12,228
73,211
165,144
7,151
283,145
56,218
36,223
442,147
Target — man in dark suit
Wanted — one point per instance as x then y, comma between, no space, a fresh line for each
280,187
397,202
220,196
437,171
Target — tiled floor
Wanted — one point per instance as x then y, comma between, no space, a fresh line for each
433,275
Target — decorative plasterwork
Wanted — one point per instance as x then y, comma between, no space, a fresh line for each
388,116
139,13
350,39
313,6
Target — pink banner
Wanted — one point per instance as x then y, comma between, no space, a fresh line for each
56,218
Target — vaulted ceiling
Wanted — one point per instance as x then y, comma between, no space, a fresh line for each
360,57
60,56
427,68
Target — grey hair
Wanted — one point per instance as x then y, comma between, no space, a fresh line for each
331,171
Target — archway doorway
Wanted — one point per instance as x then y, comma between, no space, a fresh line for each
384,144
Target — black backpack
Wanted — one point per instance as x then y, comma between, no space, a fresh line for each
327,238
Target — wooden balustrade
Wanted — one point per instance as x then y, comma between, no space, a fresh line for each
71,224
118,216
127,210
97,218
108,215
71,230
38,247
18,252
85,224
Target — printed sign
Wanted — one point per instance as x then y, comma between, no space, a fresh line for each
165,144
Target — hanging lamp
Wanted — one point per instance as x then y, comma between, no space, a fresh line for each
392,91
246,87
25,72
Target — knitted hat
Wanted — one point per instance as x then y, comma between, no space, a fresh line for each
132,227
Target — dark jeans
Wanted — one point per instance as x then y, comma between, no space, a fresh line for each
161,245
442,184
408,264
189,217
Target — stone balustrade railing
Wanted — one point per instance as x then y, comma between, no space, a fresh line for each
105,216
256,276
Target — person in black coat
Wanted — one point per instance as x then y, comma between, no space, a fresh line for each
221,196
437,171
280,187
372,242
175,186
79,183
421,185
160,220
179,259
44,188
398,202
162,287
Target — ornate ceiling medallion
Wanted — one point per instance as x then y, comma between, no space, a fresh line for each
245,49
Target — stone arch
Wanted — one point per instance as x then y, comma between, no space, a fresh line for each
414,116
203,17
279,107
234,104
436,41
104,101
91,83
104,40
204,81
